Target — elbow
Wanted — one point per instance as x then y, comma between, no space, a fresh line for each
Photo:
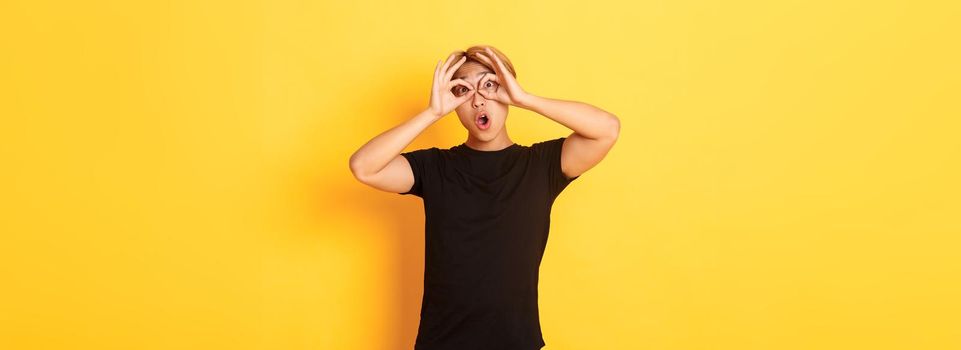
614,129
355,168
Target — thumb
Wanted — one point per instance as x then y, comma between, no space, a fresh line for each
464,98
487,96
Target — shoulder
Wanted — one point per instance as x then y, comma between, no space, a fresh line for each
548,146
424,152
550,142
427,155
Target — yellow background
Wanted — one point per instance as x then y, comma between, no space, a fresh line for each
175,173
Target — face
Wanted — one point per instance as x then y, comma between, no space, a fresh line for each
470,112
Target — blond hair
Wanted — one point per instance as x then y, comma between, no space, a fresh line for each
472,52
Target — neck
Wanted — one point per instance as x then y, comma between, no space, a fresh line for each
499,142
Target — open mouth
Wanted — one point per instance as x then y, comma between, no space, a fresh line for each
483,121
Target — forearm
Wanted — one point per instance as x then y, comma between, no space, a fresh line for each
586,120
374,155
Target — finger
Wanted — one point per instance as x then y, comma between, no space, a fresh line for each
456,82
447,63
459,82
482,78
487,60
490,77
489,96
462,99
452,70
436,74
496,59
482,84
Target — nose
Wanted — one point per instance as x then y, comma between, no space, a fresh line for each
477,100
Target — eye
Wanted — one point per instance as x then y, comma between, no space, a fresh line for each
490,85
459,90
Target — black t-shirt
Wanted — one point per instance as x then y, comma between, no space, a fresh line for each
487,216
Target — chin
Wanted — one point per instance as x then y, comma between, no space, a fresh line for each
486,135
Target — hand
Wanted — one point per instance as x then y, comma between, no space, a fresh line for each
442,100
503,87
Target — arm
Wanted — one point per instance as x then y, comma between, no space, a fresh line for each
595,130
379,163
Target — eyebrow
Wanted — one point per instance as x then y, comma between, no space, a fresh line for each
464,76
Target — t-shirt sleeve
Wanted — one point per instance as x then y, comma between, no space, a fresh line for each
550,153
420,162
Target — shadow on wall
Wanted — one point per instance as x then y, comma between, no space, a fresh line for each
404,214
